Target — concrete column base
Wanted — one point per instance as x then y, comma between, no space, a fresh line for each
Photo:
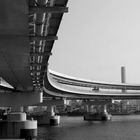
47,119
100,115
16,126
54,120
16,116
13,129
97,117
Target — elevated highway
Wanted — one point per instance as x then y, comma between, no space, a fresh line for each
64,86
26,42
28,30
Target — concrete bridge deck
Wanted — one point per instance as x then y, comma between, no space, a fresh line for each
65,86
28,30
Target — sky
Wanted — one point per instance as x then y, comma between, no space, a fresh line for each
96,38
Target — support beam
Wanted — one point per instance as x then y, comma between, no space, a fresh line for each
40,54
35,71
47,38
52,102
44,9
20,99
37,77
37,80
38,64
32,37
38,83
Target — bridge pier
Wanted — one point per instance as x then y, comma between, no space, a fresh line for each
98,114
54,119
49,117
15,124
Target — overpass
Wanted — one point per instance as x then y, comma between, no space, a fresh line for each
61,85
26,42
28,30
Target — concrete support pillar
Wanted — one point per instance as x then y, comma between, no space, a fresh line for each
16,114
87,108
103,108
17,126
17,109
26,109
101,113
51,109
49,117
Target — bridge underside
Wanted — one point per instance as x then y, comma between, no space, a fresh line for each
28,29
15,44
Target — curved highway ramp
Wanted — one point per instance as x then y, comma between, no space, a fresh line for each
64,86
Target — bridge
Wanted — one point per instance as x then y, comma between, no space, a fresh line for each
28,30
70,87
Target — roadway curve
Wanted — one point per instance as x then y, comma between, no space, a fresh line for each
64,86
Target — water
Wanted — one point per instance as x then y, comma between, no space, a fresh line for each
74,128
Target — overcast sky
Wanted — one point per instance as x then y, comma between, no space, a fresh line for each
96,38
